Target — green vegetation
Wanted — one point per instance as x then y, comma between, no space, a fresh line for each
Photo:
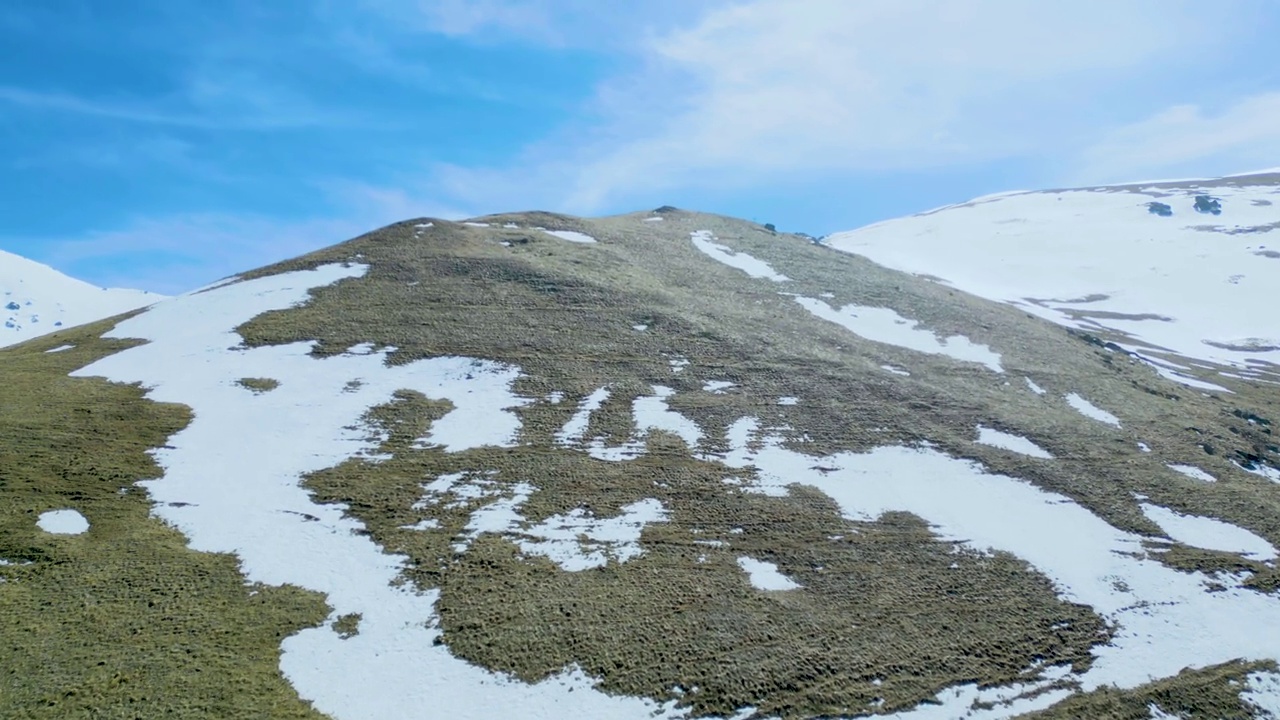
123,621
259,385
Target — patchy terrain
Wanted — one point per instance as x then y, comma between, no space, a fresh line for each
655,465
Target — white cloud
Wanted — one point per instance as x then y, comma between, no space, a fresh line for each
1187,140
768,89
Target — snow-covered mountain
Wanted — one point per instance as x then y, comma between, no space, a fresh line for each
658,465
36,300
1183,273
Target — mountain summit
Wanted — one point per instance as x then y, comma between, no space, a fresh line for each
664,464
36,300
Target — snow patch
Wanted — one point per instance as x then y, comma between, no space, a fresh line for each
1262,691
63,522
571,236
886,326
717,386
1091,411
60,348
1265,471
765,576
1014,443
705,241
788,400
1193,472
1034,387
1209,533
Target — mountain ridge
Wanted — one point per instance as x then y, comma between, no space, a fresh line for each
36,299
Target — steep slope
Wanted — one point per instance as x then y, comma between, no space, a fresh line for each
662,465
35,300
1187,273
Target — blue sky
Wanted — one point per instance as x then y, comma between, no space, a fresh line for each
164,144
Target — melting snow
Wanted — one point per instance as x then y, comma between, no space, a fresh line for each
886,326
1193,472
649,413
574,429
62,522
765,576
788,400
238,466
1155,713
1166,620
571,236
1089,410
1262,691
1265,471
1209,533
705,241
1015,443
895,370
717,386
1034,387
60,348
575,541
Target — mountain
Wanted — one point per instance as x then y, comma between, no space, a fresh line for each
665,464
1184,274
36,300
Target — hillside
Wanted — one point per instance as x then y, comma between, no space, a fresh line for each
36,300
663,464
1183,273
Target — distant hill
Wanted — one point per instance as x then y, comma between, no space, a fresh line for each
36,300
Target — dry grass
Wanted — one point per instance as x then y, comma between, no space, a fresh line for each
886,603
123,621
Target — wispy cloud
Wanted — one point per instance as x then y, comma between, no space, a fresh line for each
205,104
1188,140
771,90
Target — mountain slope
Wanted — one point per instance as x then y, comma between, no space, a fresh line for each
674,465
1184,273
35,300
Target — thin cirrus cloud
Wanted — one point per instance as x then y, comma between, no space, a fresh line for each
1188,140
776,88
